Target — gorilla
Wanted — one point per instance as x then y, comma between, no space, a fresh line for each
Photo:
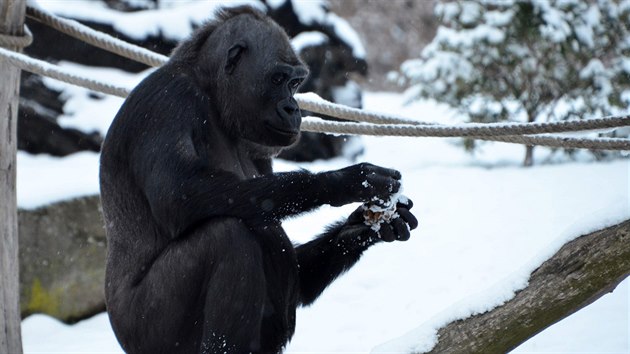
198,261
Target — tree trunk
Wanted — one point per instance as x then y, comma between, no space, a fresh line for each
529,156
529,149
579,273
11,21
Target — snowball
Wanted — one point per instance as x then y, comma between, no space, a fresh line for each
380,211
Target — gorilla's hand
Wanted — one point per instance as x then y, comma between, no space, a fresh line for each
362,234
398,227
362,182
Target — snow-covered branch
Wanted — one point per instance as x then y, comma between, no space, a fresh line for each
582,271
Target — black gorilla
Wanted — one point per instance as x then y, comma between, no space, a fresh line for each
197,259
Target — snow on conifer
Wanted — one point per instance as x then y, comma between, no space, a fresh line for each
530,61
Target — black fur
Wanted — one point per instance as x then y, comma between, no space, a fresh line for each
198,261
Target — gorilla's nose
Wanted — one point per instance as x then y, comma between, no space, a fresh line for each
288,109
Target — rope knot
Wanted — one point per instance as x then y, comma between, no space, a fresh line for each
16,41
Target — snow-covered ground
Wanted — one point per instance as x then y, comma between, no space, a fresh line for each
485,224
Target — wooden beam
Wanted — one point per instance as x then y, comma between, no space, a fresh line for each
11,23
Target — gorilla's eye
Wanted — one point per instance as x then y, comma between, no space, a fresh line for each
278,78
295,83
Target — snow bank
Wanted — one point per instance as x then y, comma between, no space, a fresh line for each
423,338
177,22
308,39
311,12
43,179
86,110
173,22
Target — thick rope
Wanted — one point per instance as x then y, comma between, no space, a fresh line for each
499,132
45,69
96,38
314,103
148,57
16,41
472,129
317,125
566,142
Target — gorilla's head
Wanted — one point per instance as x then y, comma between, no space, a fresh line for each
245,63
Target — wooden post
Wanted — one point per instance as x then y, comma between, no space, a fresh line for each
11,21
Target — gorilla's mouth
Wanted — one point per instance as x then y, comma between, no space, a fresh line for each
282,131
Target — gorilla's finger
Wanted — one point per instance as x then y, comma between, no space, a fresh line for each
357,216
400,229
409,218
404,202
395,186
383,187
395,174
387,233
383,171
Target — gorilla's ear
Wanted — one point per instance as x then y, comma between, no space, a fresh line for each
234,55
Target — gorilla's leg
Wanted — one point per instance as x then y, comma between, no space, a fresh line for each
156,311
236,293
210,282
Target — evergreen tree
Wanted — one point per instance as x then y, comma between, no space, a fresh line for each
536,60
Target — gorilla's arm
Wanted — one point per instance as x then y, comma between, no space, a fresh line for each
329,255
197,193
187,191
